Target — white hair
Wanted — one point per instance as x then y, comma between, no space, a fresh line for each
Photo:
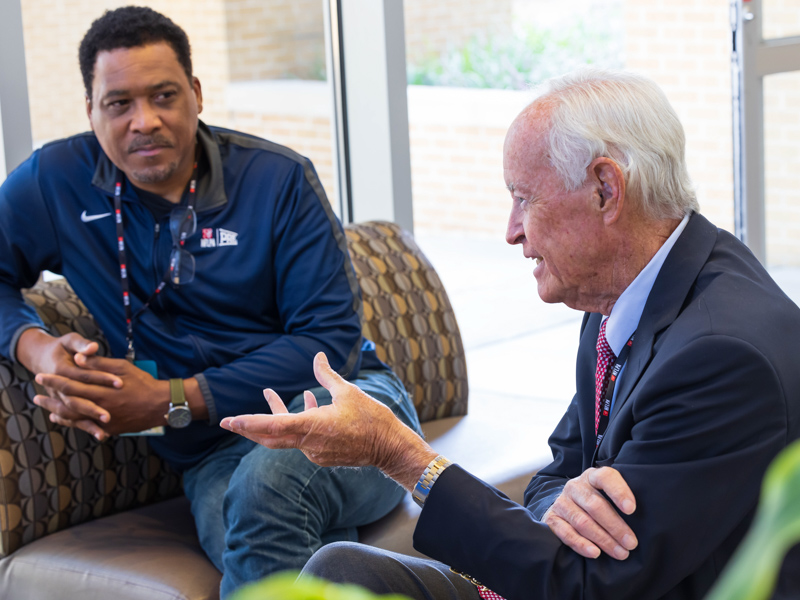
627,117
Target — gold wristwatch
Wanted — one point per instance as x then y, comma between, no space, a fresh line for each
428,478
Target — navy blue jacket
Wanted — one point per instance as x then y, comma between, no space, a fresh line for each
274,284
710,394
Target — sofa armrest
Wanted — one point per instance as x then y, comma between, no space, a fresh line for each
53,477
407,313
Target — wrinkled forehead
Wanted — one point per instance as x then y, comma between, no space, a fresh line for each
526,144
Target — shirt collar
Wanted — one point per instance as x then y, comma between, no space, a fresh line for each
210,188
627,311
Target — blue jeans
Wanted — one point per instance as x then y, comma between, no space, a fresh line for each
259,511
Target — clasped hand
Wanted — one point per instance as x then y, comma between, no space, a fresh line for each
587,522
102,396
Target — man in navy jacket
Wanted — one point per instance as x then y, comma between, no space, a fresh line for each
213,263
686,382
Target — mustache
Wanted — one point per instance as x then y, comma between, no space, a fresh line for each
151,140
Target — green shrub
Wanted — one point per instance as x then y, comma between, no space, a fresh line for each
520,60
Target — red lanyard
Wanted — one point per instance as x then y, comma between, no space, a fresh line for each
605,408
123,265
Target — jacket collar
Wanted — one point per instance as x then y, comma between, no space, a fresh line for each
210,188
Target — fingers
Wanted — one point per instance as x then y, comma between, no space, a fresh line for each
86,425
611,482
276,405
569,536
92,373
267,430
587,522
326,376
310,400
69,387
579,530
71,407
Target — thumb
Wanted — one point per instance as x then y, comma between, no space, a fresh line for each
326,376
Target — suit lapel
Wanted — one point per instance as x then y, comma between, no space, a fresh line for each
666,300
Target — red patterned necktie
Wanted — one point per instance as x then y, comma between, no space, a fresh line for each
605,358
488,594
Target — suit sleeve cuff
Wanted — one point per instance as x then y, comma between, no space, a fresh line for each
544,505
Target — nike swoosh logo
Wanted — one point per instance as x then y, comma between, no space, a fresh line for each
88,218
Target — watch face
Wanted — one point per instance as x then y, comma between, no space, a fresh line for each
179,416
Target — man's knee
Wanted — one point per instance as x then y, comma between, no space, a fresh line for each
263,472
340,562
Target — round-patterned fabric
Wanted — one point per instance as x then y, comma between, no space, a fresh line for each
409,317
52,477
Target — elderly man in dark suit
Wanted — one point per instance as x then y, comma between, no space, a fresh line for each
687,379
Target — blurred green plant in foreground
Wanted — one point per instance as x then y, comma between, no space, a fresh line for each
753,571
284,586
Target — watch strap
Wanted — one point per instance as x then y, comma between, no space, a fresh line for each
428,478
177,397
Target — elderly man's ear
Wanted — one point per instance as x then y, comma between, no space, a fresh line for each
609,184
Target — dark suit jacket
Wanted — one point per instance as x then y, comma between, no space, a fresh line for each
710,394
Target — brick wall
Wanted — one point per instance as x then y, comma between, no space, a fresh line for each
782,164
781,18
456,140
275,39
296,114
433,27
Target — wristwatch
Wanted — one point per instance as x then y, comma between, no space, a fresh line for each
179,414
428,478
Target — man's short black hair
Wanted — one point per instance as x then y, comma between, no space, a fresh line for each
131,27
